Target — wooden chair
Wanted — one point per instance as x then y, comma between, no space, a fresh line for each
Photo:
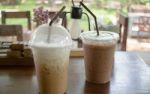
17,14
123,34
12,30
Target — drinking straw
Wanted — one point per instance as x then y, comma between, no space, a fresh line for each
53,19
73,3
81,3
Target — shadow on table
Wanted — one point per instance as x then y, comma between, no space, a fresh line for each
91,88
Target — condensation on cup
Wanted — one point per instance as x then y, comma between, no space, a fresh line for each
51,57
99,55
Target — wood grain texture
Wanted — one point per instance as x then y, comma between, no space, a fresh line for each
17,14
12,30
130,76
13,59
123,22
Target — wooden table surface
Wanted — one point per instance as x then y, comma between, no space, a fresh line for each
130,76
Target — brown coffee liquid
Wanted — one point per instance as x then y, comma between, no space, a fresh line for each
52,78
98,62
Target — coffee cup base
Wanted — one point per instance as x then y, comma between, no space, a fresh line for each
64,93
97,82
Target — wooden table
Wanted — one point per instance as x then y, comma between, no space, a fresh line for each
130,76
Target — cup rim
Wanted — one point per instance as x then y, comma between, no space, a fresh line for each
94,37
51,45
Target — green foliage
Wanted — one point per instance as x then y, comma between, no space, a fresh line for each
98,11
143,2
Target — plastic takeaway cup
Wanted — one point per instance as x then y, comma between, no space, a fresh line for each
51,57
99,55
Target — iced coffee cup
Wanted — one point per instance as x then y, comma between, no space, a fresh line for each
99,55
51,58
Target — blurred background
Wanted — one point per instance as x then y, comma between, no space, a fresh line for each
106,11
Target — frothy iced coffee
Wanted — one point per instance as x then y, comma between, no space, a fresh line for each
99,55
51,58
51,70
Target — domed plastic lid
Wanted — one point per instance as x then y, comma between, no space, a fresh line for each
50,36
103,36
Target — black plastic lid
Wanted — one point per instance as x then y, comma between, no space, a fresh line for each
76,13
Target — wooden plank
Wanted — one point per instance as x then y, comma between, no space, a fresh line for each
17,14
123,22
76,52
28,61
11,61
129,76
12,30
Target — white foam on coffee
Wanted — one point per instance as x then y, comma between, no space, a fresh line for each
103,35
59,36
105,38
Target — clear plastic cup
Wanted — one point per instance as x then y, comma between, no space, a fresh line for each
99,55
51,58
